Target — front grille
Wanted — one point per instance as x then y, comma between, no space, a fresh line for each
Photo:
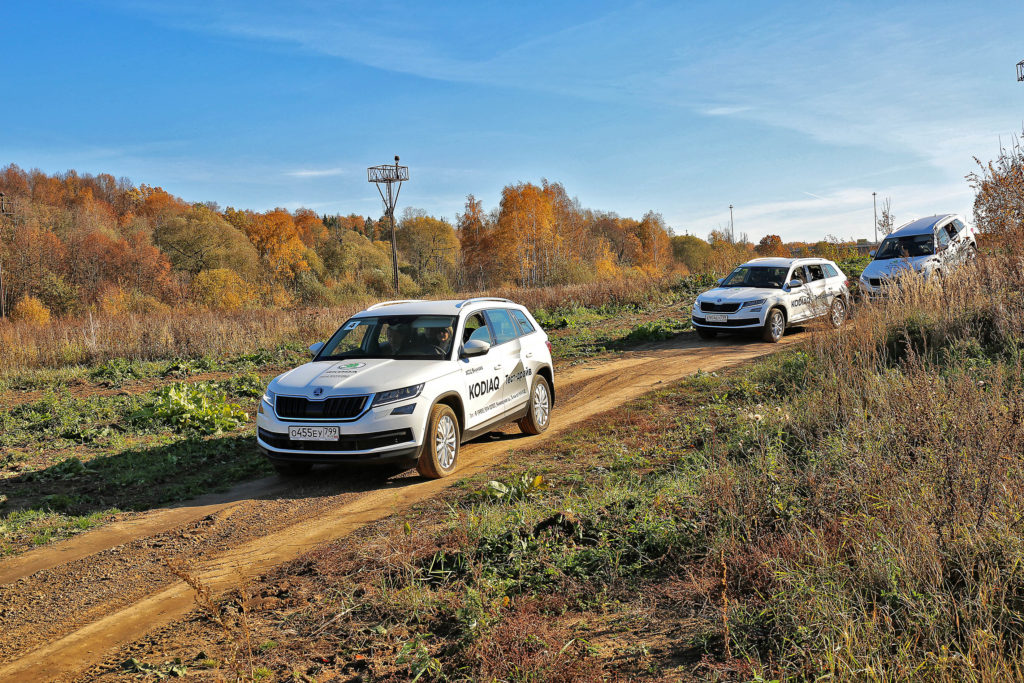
732,322
337,408
353,442
711,307
874,282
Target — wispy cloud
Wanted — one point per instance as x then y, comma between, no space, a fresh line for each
316,173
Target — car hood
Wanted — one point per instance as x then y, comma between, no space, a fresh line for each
738,294
892,267
348,377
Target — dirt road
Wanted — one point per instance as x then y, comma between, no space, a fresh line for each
67,606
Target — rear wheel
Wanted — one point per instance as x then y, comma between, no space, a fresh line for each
440,452
705,333
837,313
774,326
538,413
292,469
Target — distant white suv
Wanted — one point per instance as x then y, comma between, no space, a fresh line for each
929,246
410,381
769,294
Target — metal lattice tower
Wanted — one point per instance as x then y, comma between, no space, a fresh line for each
1020,70
391,177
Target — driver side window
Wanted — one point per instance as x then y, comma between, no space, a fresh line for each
942,238
798,274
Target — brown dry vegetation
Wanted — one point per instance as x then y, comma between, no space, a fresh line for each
191,333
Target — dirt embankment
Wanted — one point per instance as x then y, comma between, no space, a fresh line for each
65,607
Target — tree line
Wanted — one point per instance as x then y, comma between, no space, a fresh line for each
77,243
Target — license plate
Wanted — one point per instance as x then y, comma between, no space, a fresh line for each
314,433
717,318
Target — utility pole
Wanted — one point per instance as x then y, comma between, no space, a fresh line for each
732,227
874,205
389,175
1020,70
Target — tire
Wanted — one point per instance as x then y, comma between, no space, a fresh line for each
538,413
292,469
705,333
439,455
838,312
774,326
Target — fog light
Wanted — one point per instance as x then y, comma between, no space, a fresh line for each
404,410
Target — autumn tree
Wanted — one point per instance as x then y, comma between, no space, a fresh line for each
693,252
771,245
999,196
429,245
886,222
201,239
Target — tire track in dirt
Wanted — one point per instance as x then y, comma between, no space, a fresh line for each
583,392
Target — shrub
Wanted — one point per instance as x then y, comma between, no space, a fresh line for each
223,289
31,310
201,408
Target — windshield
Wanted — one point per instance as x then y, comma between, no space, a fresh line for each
905,247
402,337
756,276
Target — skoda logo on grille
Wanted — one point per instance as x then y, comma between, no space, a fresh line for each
318,391
719,301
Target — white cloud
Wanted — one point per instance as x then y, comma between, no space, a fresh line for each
316,173
846,213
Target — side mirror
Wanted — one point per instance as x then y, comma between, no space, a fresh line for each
793,284
474,347
872,253
315,348
720,280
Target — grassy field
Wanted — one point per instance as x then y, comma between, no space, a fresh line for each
81,444
850,510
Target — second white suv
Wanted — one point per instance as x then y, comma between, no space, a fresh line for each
769,294
929,246
410,381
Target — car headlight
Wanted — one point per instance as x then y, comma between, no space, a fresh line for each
863,278
755,302
269,396
397,395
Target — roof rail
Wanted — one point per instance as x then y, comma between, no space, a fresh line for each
482,298
392,303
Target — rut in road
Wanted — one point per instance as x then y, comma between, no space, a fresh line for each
70,605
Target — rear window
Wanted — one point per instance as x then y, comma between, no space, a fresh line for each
830,270
524,322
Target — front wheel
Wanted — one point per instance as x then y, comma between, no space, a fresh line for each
837,313
440,452
774,326
538,413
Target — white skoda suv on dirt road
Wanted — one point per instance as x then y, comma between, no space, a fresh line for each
410,381
770,294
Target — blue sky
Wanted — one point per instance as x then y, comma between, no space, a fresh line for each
794,112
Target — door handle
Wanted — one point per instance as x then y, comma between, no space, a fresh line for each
498,366
530,354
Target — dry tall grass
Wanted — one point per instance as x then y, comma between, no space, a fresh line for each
899,482
197,332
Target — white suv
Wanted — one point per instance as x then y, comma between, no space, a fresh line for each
929,246
769,294
410,380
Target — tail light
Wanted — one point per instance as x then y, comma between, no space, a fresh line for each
551,349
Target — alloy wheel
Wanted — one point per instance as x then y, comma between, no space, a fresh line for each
541,404
446,442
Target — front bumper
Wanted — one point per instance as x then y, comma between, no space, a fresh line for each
739,320
376,436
